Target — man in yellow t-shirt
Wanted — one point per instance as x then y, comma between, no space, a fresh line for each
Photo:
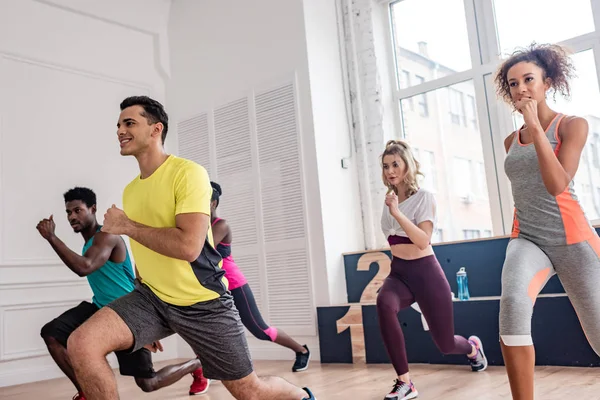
182,288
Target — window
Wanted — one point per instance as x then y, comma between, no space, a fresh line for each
422,37
427,162
586,199
422,99
486,234
594,150
405,82
469,178
471,111
549,26
471,234
455,69
462,177
480,184
457,115
437,236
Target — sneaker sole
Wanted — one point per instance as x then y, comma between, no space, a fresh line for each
485,361
202,392
413,395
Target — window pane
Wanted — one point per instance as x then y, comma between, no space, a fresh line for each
544,21
585,102
424,44
451,158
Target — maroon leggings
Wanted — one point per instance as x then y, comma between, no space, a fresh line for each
421,280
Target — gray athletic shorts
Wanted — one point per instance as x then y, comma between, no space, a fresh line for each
212,328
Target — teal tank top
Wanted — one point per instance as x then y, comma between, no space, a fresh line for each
110,281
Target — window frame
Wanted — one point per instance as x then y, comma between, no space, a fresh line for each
493,118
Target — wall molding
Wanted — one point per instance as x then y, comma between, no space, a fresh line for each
28,262
75,71
156,36
32,262
43,284
6,355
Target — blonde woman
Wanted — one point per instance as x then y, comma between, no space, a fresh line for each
408,221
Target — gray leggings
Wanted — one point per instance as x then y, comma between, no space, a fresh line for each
526,270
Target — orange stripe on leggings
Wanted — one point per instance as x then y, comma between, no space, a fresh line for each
595,243
536,283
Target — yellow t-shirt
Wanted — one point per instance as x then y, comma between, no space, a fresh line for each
178,186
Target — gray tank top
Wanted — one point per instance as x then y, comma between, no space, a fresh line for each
540,217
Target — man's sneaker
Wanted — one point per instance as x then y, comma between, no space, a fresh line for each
200,384
402,391
79,396
302,360
478,363
310,395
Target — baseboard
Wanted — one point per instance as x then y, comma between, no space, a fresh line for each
263,350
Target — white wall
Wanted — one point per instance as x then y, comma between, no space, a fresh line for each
371,80
340,200
64,67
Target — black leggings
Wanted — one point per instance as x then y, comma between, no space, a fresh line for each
251,318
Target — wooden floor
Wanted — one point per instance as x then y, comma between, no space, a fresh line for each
358,382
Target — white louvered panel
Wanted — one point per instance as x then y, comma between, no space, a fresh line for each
250,267
193,140
279,162
237,207
289,298
234,168
287,275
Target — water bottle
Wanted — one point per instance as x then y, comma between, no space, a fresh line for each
463,284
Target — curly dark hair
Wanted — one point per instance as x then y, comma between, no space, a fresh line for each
554,60
87,196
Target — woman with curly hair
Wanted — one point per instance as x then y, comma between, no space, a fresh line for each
551,233
408,220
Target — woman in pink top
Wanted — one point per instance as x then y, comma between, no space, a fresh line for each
242,294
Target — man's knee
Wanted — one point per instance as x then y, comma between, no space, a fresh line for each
248,388
100,335
79,344
146,384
